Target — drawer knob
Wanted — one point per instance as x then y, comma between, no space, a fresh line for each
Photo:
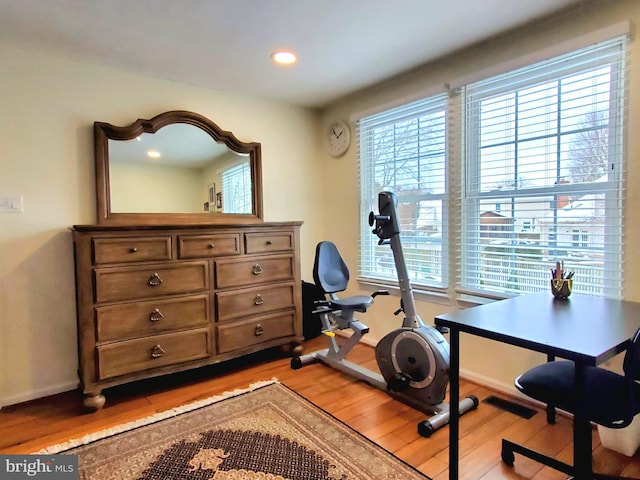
156,315
133,250
257,269
157,351
212,245
259,300
259,330
269,242
155,280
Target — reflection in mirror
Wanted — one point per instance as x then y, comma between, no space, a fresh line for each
176,168
195,174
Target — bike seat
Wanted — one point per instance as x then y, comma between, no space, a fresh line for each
358,303
331,274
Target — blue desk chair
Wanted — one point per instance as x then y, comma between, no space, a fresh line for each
613,399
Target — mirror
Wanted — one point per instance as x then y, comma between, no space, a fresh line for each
177,168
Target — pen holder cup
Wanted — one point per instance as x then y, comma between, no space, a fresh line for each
561,288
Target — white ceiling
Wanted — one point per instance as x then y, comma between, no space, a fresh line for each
342,45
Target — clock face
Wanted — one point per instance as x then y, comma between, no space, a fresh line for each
338,138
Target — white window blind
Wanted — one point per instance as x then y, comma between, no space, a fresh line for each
403,149
236,189
544,175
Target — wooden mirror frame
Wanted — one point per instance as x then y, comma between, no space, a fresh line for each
103,132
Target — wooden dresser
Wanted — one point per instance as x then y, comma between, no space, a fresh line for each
159,299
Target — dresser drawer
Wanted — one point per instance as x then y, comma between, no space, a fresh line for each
254,301
198,246
139,319
246,333
157,351
239,272
134,283
269,242
131,249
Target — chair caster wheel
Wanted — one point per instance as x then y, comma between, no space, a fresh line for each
425,429
508,457
296,363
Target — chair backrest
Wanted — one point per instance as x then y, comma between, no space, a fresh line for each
631,364
329,270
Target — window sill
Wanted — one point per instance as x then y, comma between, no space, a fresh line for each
437,296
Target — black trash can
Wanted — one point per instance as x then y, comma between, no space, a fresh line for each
311,324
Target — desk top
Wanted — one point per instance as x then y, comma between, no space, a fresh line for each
582,327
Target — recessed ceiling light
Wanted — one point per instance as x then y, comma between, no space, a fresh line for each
283,57
153,154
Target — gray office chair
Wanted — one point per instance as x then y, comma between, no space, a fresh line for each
613,399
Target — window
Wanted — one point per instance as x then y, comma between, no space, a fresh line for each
404,150
534,175
580,238
236,189
544,164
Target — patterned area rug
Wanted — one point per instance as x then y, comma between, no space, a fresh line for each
266,432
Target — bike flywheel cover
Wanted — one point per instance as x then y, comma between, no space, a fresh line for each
412,355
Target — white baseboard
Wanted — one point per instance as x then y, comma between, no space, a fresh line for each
488,382
34,394
482,380
491,383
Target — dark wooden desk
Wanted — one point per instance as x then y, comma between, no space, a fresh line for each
587,330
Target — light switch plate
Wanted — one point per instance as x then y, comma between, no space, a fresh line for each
10,203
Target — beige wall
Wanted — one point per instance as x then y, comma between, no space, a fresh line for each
183,189
482,360
48,108
46,153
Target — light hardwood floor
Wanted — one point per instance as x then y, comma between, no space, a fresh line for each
33,425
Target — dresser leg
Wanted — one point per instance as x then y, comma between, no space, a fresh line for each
94,401
293,348
297,349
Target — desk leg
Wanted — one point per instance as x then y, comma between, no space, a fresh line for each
582,453
454,401
551,410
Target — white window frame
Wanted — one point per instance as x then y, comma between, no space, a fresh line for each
458,214
604,280
426,257
236,189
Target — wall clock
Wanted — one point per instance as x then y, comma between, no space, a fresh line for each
338,138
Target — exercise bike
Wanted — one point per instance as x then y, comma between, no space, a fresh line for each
413,359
